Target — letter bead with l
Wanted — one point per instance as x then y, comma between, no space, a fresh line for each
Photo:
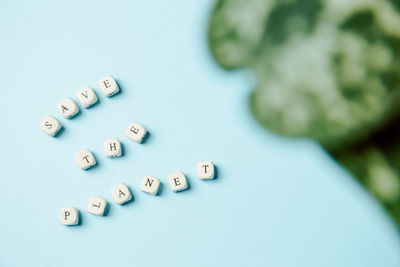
97,206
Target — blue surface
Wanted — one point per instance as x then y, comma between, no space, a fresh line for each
276,202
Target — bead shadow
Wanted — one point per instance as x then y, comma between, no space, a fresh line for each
146,138
107,209
60,132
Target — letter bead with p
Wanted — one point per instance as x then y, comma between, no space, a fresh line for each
69,216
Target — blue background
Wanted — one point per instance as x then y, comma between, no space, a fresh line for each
276,202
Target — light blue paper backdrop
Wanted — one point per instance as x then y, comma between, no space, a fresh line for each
276,202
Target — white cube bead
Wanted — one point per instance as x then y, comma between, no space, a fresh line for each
150,185
85,159
68,108
205,170
177,181
50,125
112,148
121,194
69,216
86,96
97,205
136,132
108,86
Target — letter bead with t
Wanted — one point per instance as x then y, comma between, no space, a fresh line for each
85,159
205,170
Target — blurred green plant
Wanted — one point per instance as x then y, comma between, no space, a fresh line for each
329,70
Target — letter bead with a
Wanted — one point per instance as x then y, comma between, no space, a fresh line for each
121,194
68,108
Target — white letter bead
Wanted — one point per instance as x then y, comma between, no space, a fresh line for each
205,170
86,96
69,216
97,205
68,108
108,86
136,132
85,159
121,194
112,148
177,181
150,185
50,125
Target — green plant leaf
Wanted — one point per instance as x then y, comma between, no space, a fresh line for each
329,70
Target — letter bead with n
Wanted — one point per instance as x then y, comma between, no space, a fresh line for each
150,185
